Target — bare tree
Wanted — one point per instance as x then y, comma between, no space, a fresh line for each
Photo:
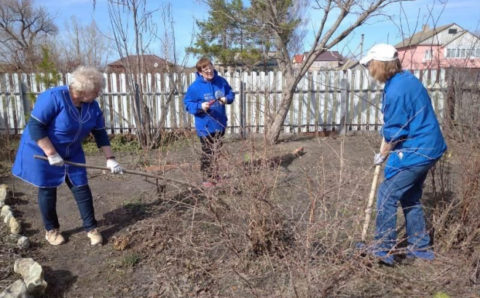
169,51
83,45
279,19
121,13
127,16
23,29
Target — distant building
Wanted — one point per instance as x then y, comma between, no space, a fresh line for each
152,64
266,63
326,60
441,47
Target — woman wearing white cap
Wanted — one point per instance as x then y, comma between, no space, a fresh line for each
413,143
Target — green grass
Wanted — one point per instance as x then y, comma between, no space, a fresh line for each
119,143
130,260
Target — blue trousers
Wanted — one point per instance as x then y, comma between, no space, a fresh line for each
404,188
47,201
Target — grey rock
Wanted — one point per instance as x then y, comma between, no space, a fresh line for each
3,193
8,215
15,290
14,225
5,210
23,242
32,274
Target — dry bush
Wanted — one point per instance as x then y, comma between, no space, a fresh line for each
279,226
276,226
458,191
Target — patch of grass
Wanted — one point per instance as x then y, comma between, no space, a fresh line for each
135,207
131,260
119,143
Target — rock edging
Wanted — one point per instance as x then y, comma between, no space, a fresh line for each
32,282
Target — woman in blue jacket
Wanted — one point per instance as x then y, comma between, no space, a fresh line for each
60,121
413,142
205,99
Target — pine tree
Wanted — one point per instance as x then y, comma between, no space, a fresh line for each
49,75
225,36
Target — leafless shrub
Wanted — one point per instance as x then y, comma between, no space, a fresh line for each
455,216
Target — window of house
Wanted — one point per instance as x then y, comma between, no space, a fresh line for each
462,53
450,53
477,52
428,55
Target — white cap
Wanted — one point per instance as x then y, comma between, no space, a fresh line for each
380,52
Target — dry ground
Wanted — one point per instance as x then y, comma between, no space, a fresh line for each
277,229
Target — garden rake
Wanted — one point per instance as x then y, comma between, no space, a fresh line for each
82,165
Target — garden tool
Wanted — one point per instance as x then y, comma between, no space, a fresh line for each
371,197
82,165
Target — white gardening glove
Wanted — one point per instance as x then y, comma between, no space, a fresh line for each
222,100
205,106
114,166
378,159
55,160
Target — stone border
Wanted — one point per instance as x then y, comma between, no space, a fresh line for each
12,223
32,282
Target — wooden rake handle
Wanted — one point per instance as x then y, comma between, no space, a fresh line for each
371,197
82,165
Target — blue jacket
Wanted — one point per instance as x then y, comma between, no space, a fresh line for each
409,118
215,119
67,127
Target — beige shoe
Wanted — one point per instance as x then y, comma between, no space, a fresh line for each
95,237
54,237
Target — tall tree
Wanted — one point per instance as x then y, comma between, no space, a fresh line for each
280,18
225,35
23,29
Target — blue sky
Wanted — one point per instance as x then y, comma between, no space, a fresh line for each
380,29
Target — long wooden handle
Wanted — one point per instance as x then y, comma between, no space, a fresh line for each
82,165
371,197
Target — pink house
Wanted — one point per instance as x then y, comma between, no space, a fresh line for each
441,47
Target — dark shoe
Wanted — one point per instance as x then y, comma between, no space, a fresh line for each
423,254
382,256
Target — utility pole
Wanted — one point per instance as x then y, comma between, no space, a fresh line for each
361,45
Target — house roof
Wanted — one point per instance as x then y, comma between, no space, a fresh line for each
329,56
298,58
324,56
148,60
421,36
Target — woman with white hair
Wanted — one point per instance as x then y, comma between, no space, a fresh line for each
61,119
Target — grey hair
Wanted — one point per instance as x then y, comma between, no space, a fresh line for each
87,79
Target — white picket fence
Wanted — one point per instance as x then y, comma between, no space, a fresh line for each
324,101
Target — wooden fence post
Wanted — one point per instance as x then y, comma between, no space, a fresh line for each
26,102
243,107
343,106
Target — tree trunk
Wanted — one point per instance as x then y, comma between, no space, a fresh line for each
273,131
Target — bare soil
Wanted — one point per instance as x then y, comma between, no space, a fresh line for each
246,237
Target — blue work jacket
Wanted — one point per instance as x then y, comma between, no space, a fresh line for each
409,118
201,90
67,126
